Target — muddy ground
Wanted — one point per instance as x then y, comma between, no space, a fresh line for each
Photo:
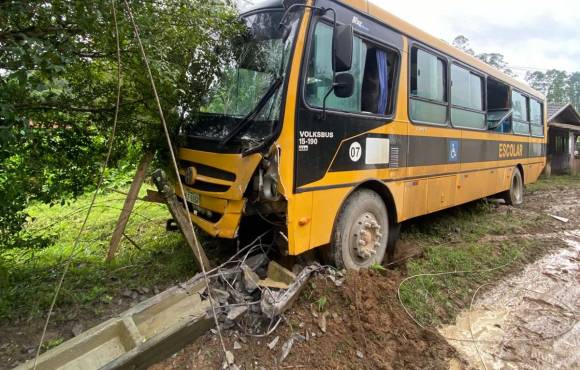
527,320
366,327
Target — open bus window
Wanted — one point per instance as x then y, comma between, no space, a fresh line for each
373,69
498,106
378,81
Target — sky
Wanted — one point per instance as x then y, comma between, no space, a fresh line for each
530,34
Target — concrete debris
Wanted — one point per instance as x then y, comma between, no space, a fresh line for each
561,219
286,348
336,277
279,273
237,345
251,293
235,312
274,303
322,322
269,283
273,343
221,296
250,279
257,261
229,360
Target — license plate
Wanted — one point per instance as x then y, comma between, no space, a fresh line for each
192,198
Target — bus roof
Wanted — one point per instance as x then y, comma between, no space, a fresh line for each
415,33
247,6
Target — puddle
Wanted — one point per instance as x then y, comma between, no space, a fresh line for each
528,321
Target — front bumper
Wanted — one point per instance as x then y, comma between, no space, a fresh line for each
220,185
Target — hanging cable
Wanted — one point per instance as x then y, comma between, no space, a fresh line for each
99,184
176,169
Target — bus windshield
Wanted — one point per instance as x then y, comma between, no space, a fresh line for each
249,89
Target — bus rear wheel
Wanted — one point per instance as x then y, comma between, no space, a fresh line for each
515,195
361,232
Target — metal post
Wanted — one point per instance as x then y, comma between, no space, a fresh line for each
572,149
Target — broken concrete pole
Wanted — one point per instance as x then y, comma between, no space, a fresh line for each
274,303
277,272
139,337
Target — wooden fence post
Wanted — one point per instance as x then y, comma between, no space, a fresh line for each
129,204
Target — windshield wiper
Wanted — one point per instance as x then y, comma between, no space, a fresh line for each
254,113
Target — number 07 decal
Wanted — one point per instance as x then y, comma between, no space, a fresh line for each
355,151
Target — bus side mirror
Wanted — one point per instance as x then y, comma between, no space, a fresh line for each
342,48
343,85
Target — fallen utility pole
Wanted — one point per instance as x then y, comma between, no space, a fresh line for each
129,204
146,333
180,215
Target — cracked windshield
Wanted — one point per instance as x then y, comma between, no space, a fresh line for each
249,90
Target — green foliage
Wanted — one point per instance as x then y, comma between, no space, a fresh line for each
377,267
28,276
321,303
559,86
58,81
495,60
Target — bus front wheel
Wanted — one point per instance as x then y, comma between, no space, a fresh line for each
514,196
361,232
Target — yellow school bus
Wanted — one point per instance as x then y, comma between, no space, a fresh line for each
336,121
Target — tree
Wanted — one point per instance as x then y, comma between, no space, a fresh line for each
462,43
558,86
574,89
58,88
495,60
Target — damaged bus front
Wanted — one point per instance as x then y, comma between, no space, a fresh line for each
228,156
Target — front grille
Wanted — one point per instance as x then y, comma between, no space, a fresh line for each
209,171
207,186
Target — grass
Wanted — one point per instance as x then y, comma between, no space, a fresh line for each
453,240
91,284
449,240
551,182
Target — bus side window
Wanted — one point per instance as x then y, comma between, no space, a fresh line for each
428,101
319,78
467,99
373,69
521,120
537,123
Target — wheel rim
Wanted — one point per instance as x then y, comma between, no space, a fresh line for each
366,239
518,189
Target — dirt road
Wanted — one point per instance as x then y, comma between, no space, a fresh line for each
530,320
